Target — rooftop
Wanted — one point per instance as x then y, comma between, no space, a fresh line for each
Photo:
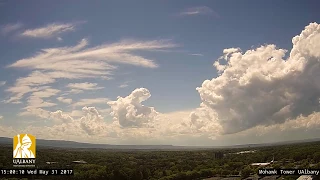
305,177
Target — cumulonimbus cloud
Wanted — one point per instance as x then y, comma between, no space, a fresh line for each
258,90
260,87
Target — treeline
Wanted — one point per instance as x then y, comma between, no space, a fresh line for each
169,165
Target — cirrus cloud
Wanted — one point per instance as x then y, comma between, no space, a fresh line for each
11,27
87,102
48,31
64,100
2,83
80,87
198,10
76,62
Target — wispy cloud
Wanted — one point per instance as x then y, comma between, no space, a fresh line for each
84,86
2,83
75,63
64,100
199,10
11,27
76,88
91,61
1,117
36,103
48,31
88,102
125,84
38,112
196,54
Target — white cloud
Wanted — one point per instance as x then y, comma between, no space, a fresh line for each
48,31
130,112
196,54
75,91
64,100
106,77
92,60
257,92
19,90
260,88
90,125
88,102
123,85
301,122
204,121
10,28
60,117
1,117
77,63
92,122
76,113
35,103
45,93
7,131
106,111
2,83
59,39
173,124
200,10
78,87
38,112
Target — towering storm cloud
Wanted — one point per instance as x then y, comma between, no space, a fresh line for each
130,112
261,86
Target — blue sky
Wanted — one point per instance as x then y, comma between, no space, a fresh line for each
193,35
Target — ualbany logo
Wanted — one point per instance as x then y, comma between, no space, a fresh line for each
24,146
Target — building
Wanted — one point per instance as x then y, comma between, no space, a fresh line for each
305,177
79,162
270,178
51,162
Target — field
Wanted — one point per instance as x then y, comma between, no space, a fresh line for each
170,165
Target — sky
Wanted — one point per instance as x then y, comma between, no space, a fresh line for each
182,72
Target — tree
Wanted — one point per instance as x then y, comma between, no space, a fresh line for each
246,172
316,157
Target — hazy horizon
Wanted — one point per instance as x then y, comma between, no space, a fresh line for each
44,142
184,73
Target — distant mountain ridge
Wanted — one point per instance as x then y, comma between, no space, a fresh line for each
72,144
